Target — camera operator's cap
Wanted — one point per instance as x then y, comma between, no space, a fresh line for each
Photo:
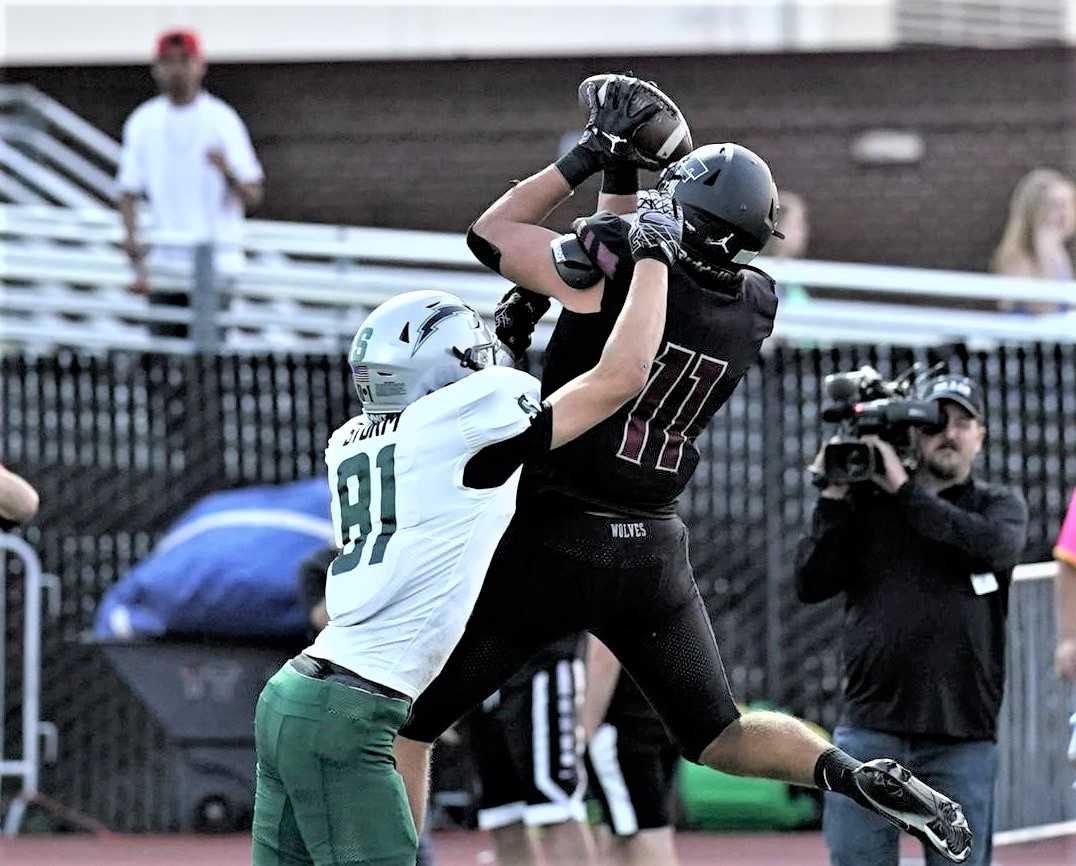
186,41
960,389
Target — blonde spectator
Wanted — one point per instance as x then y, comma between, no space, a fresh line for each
1042,221
793,222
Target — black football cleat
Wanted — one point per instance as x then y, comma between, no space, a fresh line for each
899,797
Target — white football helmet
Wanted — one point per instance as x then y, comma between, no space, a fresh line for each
416,343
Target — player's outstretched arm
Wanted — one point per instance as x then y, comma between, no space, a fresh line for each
625,363
620,183
18,499
508,237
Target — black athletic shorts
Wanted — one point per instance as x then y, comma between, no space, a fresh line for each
631,764
628,580
526,745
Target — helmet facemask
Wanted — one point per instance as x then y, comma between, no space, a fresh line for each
478,357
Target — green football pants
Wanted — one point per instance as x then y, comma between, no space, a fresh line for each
328,792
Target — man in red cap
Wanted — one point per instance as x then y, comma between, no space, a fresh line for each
190,155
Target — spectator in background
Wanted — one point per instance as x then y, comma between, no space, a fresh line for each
18,500
530,762
312,589
793,222
1042,221
190,155
1065,554
924,559
631,763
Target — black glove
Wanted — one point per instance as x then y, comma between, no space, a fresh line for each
515,318
612,122
658,228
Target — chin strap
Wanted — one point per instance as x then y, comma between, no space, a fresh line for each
705,270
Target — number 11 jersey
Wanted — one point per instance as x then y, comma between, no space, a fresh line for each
415,542
638,461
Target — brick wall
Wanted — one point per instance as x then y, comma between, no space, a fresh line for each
427,144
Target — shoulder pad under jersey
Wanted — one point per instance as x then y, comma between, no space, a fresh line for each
495,404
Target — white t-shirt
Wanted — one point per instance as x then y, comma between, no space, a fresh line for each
415,543
165,149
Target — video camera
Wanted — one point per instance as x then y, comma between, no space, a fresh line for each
865,404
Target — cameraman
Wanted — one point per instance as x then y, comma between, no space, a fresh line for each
924,559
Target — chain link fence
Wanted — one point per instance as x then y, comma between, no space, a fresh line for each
119,445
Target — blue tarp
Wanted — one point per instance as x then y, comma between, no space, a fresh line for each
228,567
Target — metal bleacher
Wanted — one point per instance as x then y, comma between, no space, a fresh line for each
64,278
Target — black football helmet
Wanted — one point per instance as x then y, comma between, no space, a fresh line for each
730,205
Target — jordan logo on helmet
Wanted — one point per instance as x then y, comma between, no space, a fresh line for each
722,242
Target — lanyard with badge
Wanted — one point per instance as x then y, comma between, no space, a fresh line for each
984,584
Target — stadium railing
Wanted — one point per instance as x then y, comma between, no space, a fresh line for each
305,287
25,767
1035,796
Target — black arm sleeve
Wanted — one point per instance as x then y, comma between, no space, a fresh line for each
494,464
483,250
989,540
824,556
311,585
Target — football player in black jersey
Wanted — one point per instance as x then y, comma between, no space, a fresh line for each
529,756
596,543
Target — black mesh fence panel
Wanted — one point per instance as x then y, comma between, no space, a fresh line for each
120,445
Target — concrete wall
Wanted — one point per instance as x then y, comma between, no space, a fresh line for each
428,144
246,30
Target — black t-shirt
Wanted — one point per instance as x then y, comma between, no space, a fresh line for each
924,643
638,461
312,571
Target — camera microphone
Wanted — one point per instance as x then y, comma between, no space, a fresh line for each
842,387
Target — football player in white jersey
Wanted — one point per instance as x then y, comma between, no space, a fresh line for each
422,485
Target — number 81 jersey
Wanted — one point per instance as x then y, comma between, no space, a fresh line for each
414,542
639,460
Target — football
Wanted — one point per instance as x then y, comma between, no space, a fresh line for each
665,137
